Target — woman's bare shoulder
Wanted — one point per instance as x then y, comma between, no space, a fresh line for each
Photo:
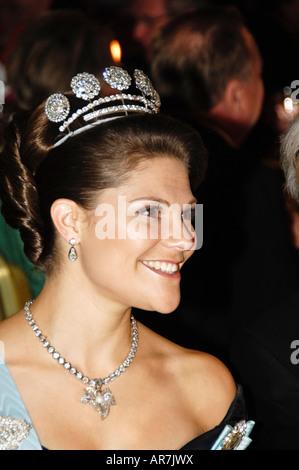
208,384
203,379
8,324
208,370
11,333
189,362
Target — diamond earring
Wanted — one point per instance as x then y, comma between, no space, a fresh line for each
72,256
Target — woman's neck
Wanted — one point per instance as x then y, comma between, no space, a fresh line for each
82,325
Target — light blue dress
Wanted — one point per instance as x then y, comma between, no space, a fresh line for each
14,435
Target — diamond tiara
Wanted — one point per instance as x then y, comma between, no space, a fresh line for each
87,87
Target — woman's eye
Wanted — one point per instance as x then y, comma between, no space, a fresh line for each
189,215
151,211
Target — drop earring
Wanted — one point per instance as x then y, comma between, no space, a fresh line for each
72,256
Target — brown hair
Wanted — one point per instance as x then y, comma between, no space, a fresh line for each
33,173
197,54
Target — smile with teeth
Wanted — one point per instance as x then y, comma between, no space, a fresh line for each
164,267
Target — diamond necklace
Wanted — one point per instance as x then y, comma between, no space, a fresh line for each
93,394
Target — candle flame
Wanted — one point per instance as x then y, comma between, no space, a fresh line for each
115,50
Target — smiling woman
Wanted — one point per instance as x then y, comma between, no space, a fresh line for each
113,153
145,261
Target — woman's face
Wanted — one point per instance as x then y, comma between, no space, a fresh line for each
138,238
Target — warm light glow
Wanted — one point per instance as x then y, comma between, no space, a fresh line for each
288,105
115,50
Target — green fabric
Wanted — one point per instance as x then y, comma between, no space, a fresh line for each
11,247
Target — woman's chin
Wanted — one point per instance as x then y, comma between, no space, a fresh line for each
164,307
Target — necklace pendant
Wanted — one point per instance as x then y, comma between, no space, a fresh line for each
101,400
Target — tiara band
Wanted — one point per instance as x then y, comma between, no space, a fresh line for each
86,87
83,129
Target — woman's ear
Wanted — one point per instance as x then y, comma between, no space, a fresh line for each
65,215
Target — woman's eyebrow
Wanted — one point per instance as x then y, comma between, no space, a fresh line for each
151,198
162,201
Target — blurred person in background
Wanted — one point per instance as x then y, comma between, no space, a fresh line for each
150,15
51,51
269,369
15,16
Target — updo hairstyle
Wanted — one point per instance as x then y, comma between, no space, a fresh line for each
34,173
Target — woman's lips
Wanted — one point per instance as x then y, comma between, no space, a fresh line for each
164,268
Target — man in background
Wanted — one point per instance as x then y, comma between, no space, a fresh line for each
150,15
